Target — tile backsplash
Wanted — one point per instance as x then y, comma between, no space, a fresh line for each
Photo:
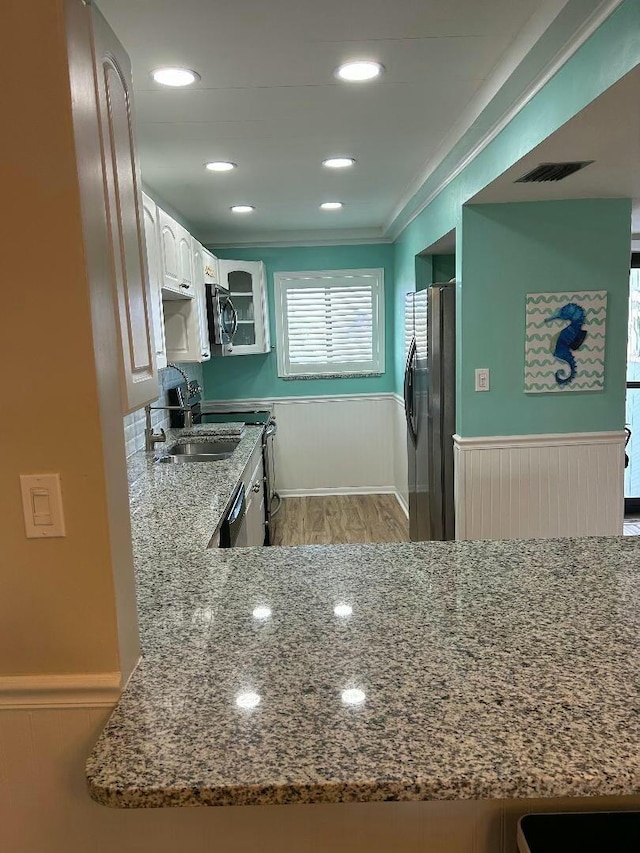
134,424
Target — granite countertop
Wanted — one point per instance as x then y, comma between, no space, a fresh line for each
178,507
473,669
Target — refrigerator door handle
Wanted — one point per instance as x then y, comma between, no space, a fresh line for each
408,390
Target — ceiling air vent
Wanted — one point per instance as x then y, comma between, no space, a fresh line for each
552,172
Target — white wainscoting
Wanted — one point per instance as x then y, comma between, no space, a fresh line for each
401,472
347,444
545,486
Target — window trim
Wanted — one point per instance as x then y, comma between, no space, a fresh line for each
330,370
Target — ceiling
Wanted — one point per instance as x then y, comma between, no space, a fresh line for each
607,131
268,101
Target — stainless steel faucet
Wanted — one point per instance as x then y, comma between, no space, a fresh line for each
193,386
152,438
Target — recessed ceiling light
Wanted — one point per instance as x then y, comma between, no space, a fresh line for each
331,205
338,162
220,166
359,71
174,76
243,208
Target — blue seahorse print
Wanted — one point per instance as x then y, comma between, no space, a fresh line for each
570,338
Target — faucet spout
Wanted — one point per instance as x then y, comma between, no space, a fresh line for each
193,386
152,438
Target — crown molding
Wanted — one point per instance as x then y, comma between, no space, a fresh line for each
307,237
285,244
411,204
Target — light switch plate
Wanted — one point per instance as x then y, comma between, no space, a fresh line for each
482,379
42,506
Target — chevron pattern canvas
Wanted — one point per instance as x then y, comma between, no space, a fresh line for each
565,341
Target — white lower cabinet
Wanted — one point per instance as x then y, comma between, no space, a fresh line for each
255,508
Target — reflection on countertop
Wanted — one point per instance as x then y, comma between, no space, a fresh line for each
343,673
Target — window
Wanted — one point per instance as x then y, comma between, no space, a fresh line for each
330,323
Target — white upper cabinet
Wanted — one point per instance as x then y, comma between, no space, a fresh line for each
186,327
121,177
175,257
201,262
151,229
247,285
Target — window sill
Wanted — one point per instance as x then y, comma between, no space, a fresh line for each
354,375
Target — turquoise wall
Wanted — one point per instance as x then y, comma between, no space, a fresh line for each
611,52
444,268
256,376
509,250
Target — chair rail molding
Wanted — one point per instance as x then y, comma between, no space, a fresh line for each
86,690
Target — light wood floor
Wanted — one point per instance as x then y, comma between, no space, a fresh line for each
340,519
632,526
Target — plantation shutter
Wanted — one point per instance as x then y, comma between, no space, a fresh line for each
330,323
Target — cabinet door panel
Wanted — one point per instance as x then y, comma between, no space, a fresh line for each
255,507
181,329
121,174
198,285
150,211
255,521
185,260
246,283
169,254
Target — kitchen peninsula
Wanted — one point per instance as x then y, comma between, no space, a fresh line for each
461,670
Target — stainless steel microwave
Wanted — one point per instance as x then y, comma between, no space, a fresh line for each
222,318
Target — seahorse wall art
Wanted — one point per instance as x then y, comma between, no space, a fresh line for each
565,341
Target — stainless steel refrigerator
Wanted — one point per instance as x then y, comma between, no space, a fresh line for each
430,409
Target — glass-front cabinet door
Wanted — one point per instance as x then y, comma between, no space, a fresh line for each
632,472
246,283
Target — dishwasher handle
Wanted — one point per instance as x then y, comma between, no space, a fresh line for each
234,520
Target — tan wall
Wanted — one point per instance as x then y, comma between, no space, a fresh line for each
57,607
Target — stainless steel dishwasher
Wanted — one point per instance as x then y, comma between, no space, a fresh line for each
233,530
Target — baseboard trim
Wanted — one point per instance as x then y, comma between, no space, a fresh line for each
90,690
498,442
324,492
404,506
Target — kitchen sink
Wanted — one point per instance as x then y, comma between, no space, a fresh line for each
200,451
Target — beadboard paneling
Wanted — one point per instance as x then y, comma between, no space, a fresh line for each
345,444
335,443
45,808
543,486
400,469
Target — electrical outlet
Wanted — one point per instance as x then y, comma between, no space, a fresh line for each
482,379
